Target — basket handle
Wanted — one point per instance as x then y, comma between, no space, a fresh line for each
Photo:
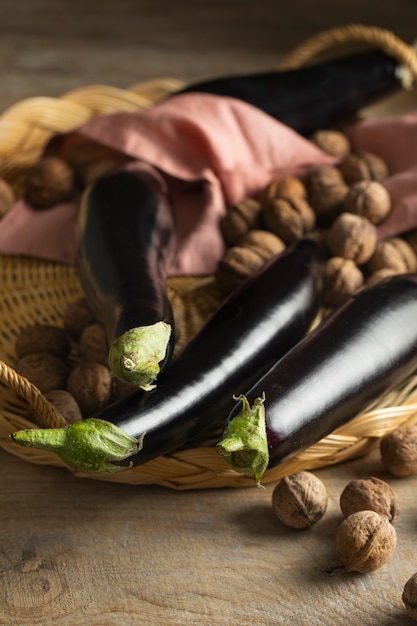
29,392
382,38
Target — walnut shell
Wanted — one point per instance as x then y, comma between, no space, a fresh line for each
239,219
288,218
370,199
341,279
45,371
92,344
91,386
409,596
283,187
393,253
65,403
235,267
327,191
411,239
352,237
77,316
332,142
365,541
300,500
7,197
363,165
42,338
320,177
399,450
50,181
379,275
372,494
265,243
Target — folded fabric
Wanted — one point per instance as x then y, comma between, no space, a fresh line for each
395,140
212,151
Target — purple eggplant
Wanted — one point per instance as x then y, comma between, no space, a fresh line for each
317,96
359,351
127,238
257,324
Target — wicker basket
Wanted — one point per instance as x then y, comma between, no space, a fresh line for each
34,291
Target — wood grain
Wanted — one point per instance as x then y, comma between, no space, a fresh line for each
78,552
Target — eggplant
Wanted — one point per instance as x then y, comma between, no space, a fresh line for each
359,351
259,322
126,240
317,96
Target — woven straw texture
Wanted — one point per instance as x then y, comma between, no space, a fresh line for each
34,291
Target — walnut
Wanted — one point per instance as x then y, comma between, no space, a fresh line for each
393,253
45,371
91,386
300,500
89,159
239,219
265,243
48,182
379,275
7,197
341,279
122,389
352,237
42,338
372,494
370,199
92,344
399,450
326,193
76,317
409,596
236,266
289,218
332,142
320,177
283,187
363,165
365,541
65,404
411,239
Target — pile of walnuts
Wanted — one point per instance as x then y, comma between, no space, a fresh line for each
69,364
342,204
366,537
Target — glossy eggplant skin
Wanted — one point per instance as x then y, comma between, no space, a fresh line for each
313,97
254,326
126,240
352,357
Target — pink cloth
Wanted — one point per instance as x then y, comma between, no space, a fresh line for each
213,151
395,140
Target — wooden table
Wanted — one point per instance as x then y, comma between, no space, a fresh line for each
79,552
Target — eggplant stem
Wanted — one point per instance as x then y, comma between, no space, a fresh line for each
90,446
136,355
244,442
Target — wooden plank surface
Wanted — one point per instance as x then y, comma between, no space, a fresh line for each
78,552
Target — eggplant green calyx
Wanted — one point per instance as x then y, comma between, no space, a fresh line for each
136,355
90,446
244,443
